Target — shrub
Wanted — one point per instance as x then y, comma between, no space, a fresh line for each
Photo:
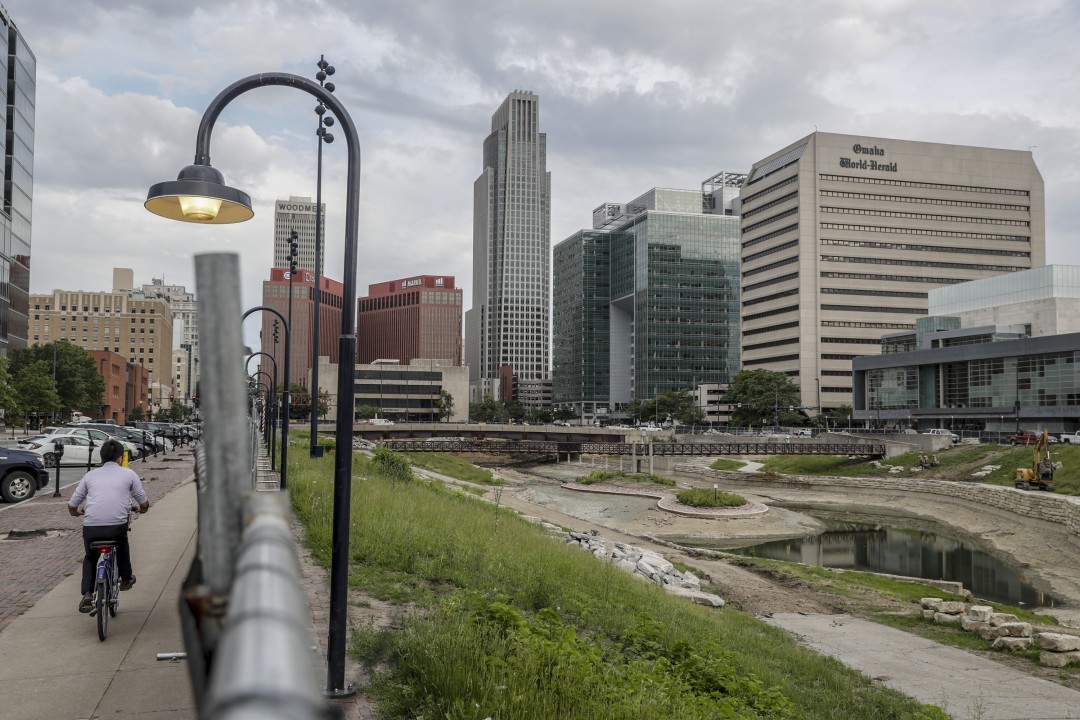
396,466
703,497
602,476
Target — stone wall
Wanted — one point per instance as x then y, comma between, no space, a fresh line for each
1060,509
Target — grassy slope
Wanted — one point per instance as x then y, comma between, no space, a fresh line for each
413,542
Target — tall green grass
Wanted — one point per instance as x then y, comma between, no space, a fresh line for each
519,625
451,466
610,476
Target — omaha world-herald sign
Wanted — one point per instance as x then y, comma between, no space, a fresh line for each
864,164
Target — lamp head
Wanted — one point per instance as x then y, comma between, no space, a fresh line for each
199,194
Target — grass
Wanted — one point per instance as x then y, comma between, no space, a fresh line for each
956,463
518,625
703,497
725,464
453,467
611,476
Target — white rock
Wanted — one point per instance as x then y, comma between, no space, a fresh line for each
1012,643
998,619
972,625
930,602
1059,659
980,613
1015,629
951,607
1057,642
626,565
657,562
645,568
696,596
940,617
928,613
988,633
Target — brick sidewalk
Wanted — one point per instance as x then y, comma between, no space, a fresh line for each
32,566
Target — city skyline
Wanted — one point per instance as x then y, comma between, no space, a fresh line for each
625,100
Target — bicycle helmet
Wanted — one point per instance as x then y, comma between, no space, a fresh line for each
111,451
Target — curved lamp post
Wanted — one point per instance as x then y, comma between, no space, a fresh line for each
284,389
273,395
199,195
325,121
271,404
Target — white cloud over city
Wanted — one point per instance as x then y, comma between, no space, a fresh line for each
632,95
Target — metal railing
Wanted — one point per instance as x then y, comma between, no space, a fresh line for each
244,615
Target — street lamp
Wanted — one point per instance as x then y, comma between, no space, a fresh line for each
285,390
271,416
325,121
199,195
273,394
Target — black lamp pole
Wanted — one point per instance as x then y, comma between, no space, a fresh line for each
325,121
271,359
285,394
199,194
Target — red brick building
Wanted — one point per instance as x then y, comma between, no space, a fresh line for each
408,319
127,385
276,295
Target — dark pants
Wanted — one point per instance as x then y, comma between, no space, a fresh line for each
93,533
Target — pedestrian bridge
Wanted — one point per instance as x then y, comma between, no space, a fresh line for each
656,449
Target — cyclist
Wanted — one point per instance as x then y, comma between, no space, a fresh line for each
107,491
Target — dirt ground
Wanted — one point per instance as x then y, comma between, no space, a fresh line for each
1044,551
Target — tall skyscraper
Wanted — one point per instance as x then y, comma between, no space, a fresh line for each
409,319
647,301
19,68
508,324
185,324
843,236
298,213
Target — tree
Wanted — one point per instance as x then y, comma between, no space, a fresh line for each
138,414
446,405
36,388
677,405
366,412
758,396
9,396
564,413
177,412
487,410
79,385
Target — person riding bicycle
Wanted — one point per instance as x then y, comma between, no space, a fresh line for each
107,491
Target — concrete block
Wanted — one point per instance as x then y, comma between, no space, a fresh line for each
971,625
1059,659
980,613
930,602
1015,629
1001,618
928,613
946,618
951,607
1057,642
988,633
1012,643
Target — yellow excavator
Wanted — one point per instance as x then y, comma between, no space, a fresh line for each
1041,473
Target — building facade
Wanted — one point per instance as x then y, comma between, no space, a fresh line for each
138,329
276,295
19,80
410,318
647,302
509,322
844,236
127,386
185,323
995,354
403,393
298,213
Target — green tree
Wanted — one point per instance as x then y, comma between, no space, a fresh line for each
760,395
366,412
564,413
9,396
177,412
488,411
446,405
541,415
514,411
138,414
79,385
676,405
36,388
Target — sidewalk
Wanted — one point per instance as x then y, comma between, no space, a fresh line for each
52,665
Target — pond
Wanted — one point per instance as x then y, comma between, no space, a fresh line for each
882,548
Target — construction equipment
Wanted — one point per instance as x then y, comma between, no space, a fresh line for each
1041,473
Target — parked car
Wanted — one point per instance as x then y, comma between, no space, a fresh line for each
803,432
1072,438
943,431
381,421
77,450
22,474
1024,437
98,436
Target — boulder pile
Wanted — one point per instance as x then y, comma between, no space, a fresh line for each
647,566
1004,630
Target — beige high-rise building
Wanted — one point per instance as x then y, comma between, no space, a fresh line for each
844,235
139,329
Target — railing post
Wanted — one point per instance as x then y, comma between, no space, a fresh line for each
228,453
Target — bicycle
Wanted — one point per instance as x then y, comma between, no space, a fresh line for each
106,586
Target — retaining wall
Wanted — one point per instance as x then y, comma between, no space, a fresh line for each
1061,509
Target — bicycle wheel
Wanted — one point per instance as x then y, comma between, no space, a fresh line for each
114,587
102,613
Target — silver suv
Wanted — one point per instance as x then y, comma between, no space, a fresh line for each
943,431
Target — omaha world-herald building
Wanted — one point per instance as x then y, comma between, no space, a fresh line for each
843,236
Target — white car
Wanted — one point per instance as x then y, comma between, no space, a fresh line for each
943,431
77,450
98,436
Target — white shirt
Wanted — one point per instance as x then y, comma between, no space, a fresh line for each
108,491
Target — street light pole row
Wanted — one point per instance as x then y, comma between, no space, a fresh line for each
325,121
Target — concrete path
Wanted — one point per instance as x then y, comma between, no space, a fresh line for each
966,686
52,665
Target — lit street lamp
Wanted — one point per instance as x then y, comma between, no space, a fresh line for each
199,195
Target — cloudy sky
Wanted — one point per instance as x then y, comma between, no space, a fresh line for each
633,95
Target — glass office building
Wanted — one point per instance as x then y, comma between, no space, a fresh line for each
647,302
1007,358
19,77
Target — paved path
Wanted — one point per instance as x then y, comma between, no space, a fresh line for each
964,685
